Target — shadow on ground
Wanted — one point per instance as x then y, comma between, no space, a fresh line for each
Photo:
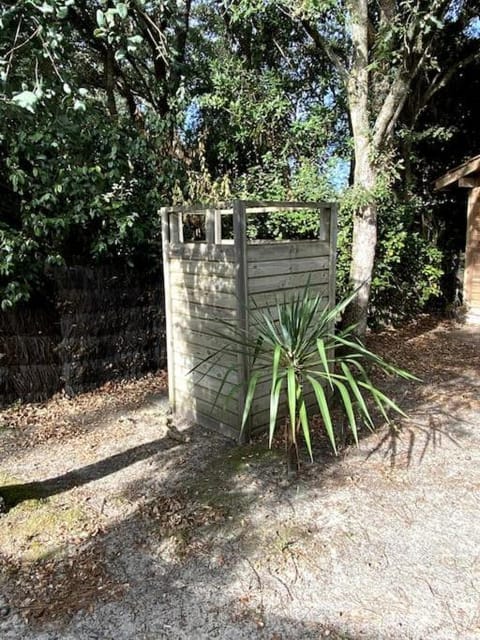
15,494
183,559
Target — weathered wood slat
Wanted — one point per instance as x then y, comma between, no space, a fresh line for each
204,297
209,327
203,351
282,205
263,390
222,402
202,251
218,207
267,251
191,341
465,169
213,388
284,282
188,361
197,404
215,381
211,284
333,259
203,269
202,312
166,239
191,405
286,266
196,301
264,300
261,417
196,417
199,352
240,235
211,374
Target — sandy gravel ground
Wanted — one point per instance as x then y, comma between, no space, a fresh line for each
120,529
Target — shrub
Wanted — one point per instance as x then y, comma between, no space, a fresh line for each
297,349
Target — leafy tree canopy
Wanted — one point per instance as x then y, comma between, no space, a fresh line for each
111,108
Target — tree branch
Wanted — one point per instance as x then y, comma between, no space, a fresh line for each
390,109
395,99
441,80
322,44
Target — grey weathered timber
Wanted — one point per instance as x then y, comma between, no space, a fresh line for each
216,284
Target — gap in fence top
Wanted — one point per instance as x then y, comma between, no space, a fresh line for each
210,278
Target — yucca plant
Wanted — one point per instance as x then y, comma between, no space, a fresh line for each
294,345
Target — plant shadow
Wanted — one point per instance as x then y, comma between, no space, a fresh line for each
210,514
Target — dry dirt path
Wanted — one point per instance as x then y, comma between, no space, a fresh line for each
119,529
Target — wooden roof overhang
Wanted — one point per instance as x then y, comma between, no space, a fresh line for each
466,175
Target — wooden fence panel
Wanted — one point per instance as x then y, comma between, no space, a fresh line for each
218,283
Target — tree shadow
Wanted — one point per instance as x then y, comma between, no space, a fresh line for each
208,505
15,494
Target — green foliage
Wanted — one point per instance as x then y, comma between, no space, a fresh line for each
75,202
86,143
296,349
306,184
110,108
299,224
408,266
260,117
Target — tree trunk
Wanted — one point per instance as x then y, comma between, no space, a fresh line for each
109,75
364,240
365,216
363,256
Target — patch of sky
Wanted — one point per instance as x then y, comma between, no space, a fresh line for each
472,30
192,116
338,172
329,99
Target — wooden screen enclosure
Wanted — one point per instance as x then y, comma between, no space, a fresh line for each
216,271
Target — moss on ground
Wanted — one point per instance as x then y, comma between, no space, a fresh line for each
221,483
36,527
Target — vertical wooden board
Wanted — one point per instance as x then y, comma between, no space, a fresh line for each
241,257
472,249
333,257
166,239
